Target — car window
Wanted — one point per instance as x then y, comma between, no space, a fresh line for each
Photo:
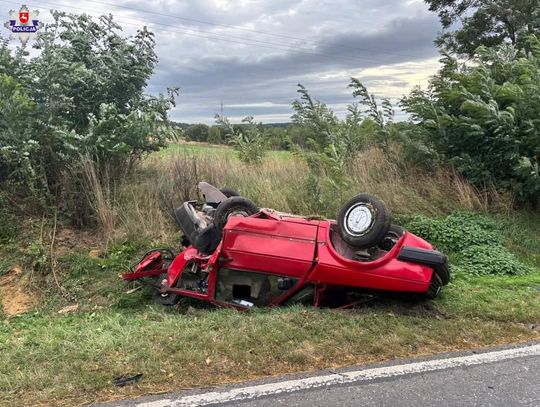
247,288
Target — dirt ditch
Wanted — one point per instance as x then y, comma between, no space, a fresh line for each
14,297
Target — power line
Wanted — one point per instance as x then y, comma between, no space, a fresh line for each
267,45
251,42
242,28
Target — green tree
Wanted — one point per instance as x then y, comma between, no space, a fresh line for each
214,135
485,22
197,132
250,139
81,92
484,118
315,118
17,144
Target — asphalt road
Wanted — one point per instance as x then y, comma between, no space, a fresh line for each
501,377
509,383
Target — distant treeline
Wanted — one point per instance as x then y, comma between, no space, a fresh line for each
281,136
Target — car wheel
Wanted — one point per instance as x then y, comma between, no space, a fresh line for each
234,206
435,287
364,221
229,192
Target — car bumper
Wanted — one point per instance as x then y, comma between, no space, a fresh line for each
431,258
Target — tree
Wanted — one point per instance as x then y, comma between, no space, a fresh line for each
485,22
81,92
250,139
214,135
197,132
484,118
315,117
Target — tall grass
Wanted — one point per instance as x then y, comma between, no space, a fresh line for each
146,203
101,196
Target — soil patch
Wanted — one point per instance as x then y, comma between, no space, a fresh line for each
68,240
13,295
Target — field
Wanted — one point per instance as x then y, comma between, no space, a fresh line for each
53,355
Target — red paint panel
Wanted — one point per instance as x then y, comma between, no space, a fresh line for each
178,264
279,247
386,273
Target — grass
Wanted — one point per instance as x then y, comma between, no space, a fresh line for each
50,359
144,207
47,358
211,150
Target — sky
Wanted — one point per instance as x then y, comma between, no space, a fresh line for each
249,56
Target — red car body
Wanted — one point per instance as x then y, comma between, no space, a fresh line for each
269,258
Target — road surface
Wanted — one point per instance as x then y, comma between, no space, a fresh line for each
500,377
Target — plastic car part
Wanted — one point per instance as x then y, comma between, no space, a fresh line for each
434,287
392,237
212,195
363,221
431,258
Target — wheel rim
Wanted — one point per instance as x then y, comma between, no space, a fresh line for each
359,219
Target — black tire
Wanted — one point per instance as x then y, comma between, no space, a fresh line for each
394,234
229,192
435,287
168,299
396,230
375,221
234,206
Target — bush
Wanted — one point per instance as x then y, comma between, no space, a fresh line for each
8,223
490,260
458,230
475,242
250,140
81,92
482,117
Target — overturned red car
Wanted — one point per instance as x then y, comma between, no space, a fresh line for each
240,256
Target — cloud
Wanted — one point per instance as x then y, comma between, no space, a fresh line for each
250,55
379,59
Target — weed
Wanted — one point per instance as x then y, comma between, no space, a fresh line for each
458,230
38,256
477,242
490,259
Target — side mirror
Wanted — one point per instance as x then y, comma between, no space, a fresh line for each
285,283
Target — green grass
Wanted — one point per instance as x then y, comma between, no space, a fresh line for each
51,359
212,150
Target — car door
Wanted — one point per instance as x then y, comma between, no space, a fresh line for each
284,247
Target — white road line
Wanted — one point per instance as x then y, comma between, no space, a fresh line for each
288,386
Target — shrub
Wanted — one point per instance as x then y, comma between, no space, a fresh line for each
490,260
249,139
458,230
82,91
475,241
8,223
482,117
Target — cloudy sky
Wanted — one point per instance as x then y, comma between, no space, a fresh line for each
250,55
